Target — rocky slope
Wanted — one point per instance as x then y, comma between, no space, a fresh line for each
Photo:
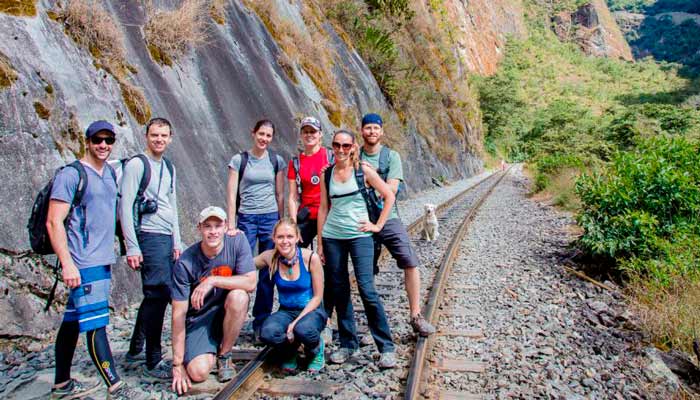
51,88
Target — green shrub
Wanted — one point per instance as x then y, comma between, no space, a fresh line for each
645,201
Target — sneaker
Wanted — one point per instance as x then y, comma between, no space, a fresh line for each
135,358
387,360
341,355
319,359
162,371
126,392
73,390
366,340
421,326
225,368
290,365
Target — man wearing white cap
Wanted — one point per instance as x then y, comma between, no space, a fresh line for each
210,286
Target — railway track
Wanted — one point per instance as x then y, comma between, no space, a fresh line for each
257,377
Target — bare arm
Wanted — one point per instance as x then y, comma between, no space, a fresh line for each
58,211
293,200
181,382
262,260
393,185
317,284
279,192
247,282
231,191
384,190
321,218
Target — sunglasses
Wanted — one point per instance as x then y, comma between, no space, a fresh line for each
344,146
99,139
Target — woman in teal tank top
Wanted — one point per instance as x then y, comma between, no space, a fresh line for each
346,230
298,276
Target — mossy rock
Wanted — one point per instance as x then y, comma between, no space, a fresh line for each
159,56
41,110
18,8
135,102
7,74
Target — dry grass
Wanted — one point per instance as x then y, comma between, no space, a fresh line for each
561,189
309,49
670,315
217,11
171,34
19,8
94,29
135,101
7,73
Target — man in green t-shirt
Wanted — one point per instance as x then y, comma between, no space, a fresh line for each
394,235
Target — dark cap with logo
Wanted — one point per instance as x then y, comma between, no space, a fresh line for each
99,126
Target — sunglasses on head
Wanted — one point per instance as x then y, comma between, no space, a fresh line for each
344,146
99,139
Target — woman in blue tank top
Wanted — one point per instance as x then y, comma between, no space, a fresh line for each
345,229
298,276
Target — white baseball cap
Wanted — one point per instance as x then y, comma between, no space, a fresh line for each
212,211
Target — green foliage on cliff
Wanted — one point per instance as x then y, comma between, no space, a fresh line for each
619,143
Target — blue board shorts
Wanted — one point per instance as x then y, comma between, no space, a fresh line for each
89,303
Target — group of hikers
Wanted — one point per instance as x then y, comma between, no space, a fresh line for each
343,196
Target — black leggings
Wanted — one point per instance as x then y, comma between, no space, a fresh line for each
149,327
97,347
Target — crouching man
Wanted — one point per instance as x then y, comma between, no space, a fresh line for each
210,286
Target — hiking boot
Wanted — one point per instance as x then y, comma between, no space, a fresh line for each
225,369
366,340
73,390
341,355
387,360
421,326
290,365
319,359
126,392
162,371
257,342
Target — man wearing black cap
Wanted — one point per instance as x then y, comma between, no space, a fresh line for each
394,235
84,247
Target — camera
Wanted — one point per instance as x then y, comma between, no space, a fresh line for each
148,206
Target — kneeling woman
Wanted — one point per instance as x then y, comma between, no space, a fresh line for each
298,275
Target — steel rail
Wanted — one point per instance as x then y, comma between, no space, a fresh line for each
431,312
247,381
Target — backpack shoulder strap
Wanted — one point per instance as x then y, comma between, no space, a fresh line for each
171,169
296,164
327,175
82,183
241,169
273,160
112,172
146,177
383,165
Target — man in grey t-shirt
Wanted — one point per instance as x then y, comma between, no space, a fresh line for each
84,247
153,249
210,288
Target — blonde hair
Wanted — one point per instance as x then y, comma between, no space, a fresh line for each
275,254
355,154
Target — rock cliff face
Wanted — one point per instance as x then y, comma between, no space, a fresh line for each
213,97
483,27
593,27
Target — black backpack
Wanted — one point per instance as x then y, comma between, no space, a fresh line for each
372,202
383,169
38,234
244,162
140,194
296,164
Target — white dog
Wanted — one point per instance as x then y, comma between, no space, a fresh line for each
430,223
